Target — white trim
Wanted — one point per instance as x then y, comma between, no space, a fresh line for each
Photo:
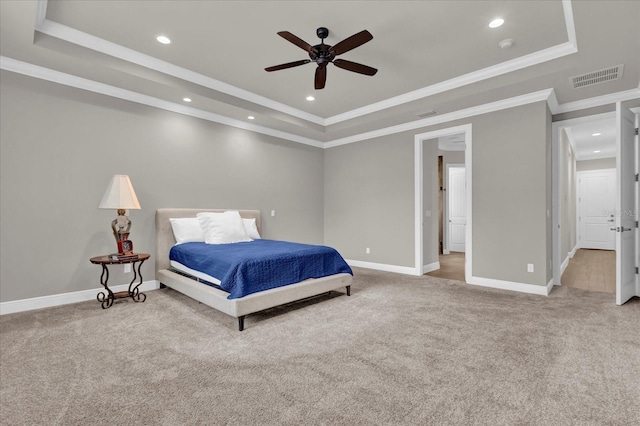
573,251
565,263
446,237
418,185
97,44
579,175
67,298
610,98
512,286
430,267
80,38
547,95
41,12
516,101
42,73
556,128
456,82
381,267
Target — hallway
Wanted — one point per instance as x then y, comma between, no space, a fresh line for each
451,267
593,270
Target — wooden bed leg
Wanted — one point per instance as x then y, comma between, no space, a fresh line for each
348,290
241,323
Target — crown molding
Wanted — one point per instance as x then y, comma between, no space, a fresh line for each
97,44
542,95
47,74
464,80
71,35
548,95
610,98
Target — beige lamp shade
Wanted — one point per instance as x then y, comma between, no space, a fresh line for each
120,195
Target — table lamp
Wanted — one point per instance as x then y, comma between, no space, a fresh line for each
121,196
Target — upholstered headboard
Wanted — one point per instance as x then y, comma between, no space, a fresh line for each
164,234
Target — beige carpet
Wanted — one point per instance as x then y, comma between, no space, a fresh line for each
401,350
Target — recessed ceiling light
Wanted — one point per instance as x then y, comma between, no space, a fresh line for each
186,99
251,117
311,98
595,152
163,39
496,23
596,134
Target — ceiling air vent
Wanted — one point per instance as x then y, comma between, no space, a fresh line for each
427,113
589,79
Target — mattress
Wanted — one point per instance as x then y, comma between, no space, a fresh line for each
201,276
250,267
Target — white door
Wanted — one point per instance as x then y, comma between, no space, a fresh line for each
457,207
596,209
625,206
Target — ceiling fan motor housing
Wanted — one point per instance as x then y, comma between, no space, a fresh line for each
322,32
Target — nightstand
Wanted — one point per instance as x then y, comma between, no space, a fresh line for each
106,299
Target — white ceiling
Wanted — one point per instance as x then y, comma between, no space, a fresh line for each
598,134
431,55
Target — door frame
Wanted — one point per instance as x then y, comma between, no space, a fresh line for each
556,128
418,197
580,174
447,230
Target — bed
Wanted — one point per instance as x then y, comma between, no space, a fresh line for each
217,298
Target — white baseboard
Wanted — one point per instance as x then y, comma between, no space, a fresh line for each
513,286
66,298
564,264
573,252
382,267
430,267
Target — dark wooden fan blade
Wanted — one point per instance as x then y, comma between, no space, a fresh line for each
355,67
352,42
287,65
297,41
321,76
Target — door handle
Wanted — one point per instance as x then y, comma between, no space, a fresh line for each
625,229
613,229
611,220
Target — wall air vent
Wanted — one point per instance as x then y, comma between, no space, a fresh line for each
595,77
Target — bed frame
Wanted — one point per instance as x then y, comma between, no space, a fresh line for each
217,298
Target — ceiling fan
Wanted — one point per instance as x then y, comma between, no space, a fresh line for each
323,54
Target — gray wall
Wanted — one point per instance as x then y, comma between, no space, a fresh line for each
599,164
61,146
369,195
369,199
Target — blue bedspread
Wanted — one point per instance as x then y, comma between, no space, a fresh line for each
250,267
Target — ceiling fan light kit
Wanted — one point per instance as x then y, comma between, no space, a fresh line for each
323,54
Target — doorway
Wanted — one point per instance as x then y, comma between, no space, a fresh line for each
592,228
456,209
427,249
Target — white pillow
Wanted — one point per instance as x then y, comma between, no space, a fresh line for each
187,230
223,228
251,228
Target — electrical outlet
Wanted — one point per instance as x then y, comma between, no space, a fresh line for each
530,267
273,213
367,250
127,268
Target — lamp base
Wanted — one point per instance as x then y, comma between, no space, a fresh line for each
121,226
125,247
